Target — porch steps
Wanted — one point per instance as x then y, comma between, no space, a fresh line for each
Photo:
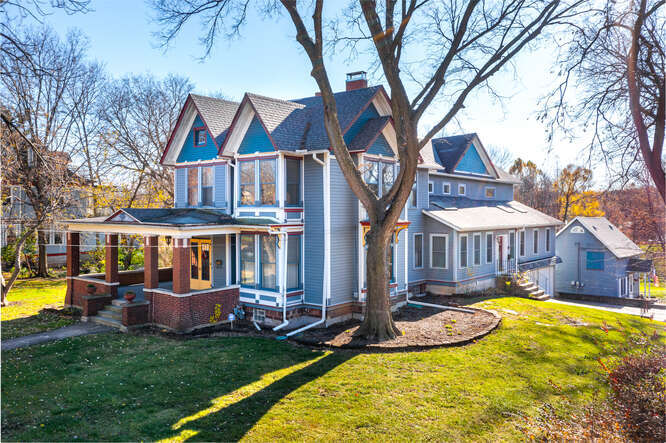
111,315
530,290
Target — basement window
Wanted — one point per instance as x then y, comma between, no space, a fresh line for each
258,315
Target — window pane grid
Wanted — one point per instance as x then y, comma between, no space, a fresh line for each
267,181
247,182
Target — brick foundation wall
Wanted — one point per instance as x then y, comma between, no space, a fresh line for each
135,313
92,304
185,313
79,289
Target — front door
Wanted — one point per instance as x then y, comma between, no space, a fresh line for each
200,265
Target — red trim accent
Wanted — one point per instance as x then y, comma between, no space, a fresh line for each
398,223
295,233
196,165
294,293
293,209
286,224
293,157
194,135
265,157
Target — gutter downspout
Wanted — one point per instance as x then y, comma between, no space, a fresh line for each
283,251
432,305
325,291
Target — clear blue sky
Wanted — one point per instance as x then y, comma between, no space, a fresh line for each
267,60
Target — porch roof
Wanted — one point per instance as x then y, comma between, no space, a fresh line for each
463,214
179,222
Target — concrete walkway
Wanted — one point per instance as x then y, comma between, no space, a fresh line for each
74,330
659,314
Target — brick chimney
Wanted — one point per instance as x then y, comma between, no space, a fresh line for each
356,80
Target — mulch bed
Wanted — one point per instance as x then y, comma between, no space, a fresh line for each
423,328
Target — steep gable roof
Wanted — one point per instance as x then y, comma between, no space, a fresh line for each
368,133
283,120
449,150
609,235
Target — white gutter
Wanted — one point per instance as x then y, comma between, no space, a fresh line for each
432,305
283,285
327,246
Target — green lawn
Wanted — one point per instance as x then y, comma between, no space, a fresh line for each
123,387
655,291
25,314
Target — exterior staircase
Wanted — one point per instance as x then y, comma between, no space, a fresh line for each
111,315
528,289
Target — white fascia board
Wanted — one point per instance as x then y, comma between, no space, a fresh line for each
433,216
181,134
487,179
238,131
484,156
146,229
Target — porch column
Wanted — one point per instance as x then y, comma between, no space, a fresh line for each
73,264
150,269
111,263
181,265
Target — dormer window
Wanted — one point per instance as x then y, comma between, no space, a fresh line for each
199,137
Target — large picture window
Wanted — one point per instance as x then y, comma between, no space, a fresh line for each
268,262
247,258
294,262
418,251
463,251
477,249
438,251
247,182
293,166
193,186
267,181
207,186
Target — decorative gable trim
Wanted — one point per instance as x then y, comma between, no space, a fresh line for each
186,118
121,216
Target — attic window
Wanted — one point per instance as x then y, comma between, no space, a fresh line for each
199,136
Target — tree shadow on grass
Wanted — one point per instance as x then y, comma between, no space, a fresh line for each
45,320
232,415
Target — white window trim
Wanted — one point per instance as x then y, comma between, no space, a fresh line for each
474,237
431,187
446,184
492,247
422,251
522,240
446,258
487,188
464,187
466,251
548,240
535,244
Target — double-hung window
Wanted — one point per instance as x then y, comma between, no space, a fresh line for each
387,177
489,247
477,249
293,167
207,185
372,177
294,262
438,251
248,259
199,137
462,189
446,188
547,239
193,186
431,188
268,262
267,180
418,251
535,246
521,241
512,245
247,182
463,251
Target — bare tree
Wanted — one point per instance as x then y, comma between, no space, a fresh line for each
426,51
138,114
500,156
613,81
38,109
535,188
570,185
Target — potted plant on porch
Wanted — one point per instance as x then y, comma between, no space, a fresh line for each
129,296
90,288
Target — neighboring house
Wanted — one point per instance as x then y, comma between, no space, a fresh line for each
599,260
265,219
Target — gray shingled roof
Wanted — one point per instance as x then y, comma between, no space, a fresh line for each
449,150
217,113
180,217
285,121
610,236
368,133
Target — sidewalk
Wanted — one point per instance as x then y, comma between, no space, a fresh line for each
659,314
74,330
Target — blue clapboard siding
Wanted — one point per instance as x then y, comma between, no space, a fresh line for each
313,248
180,181
430,227
400,259
381,147
572,249
219,253
220,189
417,224
354,129
190,153
475,189
529,245
255,139
471,162
344,231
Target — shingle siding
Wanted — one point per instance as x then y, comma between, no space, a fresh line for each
313,249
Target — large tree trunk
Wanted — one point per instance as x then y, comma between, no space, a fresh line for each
378,322
7,285
42,266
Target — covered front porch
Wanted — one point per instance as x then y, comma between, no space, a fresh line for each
198,289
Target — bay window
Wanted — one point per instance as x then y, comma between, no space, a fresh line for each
268,262
207,185
294,262
387,177
372,177
267,181
193,186
247,182
247,259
